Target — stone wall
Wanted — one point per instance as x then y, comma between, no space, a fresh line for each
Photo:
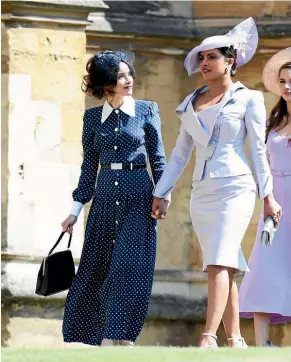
44,52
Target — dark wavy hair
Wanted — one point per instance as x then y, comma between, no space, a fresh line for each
230,52
279,116
99,80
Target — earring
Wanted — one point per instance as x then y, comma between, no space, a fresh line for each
226,71
233,72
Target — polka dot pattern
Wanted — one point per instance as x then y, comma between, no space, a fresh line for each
110,294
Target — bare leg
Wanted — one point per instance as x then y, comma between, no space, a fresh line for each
218,291
107,342
231,313
262,328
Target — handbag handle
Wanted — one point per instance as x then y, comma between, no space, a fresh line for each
58,241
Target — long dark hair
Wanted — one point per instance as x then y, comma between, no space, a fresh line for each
279,116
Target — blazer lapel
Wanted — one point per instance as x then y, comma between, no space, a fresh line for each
201,131
192,124
182,107
230,93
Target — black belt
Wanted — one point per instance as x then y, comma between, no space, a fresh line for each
122,166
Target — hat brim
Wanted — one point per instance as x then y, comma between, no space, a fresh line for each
192,62
244,37
271,70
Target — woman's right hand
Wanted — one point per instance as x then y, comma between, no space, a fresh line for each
272,208
67,224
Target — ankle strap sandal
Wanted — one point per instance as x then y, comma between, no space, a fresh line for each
209,346
209,335
240,342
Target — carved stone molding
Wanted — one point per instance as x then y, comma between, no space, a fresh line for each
61,13
98,41
127,23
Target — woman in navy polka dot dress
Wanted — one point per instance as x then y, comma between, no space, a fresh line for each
108,300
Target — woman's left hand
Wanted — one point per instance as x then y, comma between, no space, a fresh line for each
272,208
159,208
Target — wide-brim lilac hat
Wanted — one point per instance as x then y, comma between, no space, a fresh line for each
243,37
271,70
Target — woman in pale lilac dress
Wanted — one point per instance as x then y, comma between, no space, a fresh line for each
265,293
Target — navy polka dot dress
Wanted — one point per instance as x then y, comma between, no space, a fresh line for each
110,294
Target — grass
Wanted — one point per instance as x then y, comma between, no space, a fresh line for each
146,354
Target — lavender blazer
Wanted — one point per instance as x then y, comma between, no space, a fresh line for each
242,114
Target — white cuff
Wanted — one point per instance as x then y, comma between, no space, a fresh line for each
76,208
168,198
267,188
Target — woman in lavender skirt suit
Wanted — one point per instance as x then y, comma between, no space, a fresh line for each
216,119
265,293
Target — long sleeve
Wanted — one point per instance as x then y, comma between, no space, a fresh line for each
268,156
255,119
154,142
86,186
178,160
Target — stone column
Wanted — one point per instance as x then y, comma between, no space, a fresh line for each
43,59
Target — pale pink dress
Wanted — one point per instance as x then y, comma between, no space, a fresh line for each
267,287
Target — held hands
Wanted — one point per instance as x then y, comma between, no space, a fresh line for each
272,208
67,224
159,208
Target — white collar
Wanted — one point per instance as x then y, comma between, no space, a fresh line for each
128,107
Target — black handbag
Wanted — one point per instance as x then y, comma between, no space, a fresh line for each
56,272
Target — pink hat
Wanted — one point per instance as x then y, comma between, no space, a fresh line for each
243,37
271,70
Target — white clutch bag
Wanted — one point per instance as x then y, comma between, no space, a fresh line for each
268,231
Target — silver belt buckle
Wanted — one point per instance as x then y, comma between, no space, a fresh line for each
116,166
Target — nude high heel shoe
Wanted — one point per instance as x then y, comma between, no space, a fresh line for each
270,344
210,346
240,342
126,343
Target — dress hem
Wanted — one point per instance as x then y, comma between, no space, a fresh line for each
238,270
77,340
275,318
